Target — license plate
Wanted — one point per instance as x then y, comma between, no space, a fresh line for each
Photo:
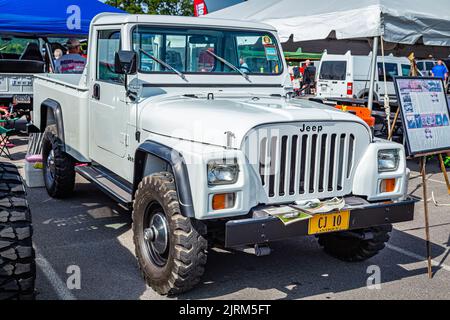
22,99
332,222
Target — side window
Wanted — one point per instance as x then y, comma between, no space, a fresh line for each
406,70
430,65
391,71
108,43
420,66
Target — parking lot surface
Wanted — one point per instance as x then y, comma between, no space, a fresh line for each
91,232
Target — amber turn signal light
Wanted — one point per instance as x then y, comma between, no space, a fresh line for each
388,185
223,201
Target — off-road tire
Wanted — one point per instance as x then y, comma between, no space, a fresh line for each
17,257
187,247
63,183
353,249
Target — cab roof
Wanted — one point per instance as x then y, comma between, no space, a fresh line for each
113,18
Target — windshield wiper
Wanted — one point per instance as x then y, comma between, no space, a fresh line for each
164,64
229,64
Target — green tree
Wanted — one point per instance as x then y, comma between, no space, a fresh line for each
166,7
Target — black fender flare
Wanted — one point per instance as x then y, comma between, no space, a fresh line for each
50,106
179,168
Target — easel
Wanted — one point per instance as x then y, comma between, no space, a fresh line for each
423,173
423,160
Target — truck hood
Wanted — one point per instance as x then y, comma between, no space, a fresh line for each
208,121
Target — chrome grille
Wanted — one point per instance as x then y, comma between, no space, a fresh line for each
298,166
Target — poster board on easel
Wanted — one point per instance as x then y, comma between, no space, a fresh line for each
425,114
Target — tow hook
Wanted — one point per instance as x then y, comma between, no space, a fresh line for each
262,250
259,250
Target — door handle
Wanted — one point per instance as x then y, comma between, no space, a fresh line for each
96,92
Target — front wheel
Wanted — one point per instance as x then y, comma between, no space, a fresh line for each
59,167
171,249
353,249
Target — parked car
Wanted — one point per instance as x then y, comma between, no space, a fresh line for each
200,150
347,76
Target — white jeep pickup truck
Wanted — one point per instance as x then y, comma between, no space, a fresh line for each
190,123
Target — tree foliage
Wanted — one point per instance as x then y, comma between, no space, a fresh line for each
166,7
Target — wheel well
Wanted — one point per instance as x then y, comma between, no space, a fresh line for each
365,94
152,157
48,117
153,164
51,114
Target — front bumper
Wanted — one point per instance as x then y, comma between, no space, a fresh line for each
263,228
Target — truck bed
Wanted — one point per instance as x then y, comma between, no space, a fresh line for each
70,93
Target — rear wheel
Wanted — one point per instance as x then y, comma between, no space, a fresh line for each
352,248
171,249
17,264
59,167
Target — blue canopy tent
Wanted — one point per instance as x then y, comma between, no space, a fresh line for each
49,17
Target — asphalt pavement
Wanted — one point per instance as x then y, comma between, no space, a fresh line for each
91,234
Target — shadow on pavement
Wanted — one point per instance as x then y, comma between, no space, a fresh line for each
300,269
86,230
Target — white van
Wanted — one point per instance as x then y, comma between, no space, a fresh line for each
426,66
346,76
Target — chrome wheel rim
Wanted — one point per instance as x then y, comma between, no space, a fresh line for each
50,171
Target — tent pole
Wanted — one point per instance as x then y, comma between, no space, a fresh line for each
373,72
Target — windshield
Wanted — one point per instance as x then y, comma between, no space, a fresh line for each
187,51
13,47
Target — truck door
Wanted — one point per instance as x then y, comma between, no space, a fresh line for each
109,111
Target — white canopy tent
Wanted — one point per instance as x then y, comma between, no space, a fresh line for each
396,21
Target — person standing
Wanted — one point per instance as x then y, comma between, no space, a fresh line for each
308,77
73,62
440,71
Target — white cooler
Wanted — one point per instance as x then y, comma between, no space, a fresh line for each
34,177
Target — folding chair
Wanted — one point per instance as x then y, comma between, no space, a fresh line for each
5,133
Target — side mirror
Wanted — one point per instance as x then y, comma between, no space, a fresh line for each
125,62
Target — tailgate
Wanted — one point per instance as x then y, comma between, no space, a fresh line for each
13,84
